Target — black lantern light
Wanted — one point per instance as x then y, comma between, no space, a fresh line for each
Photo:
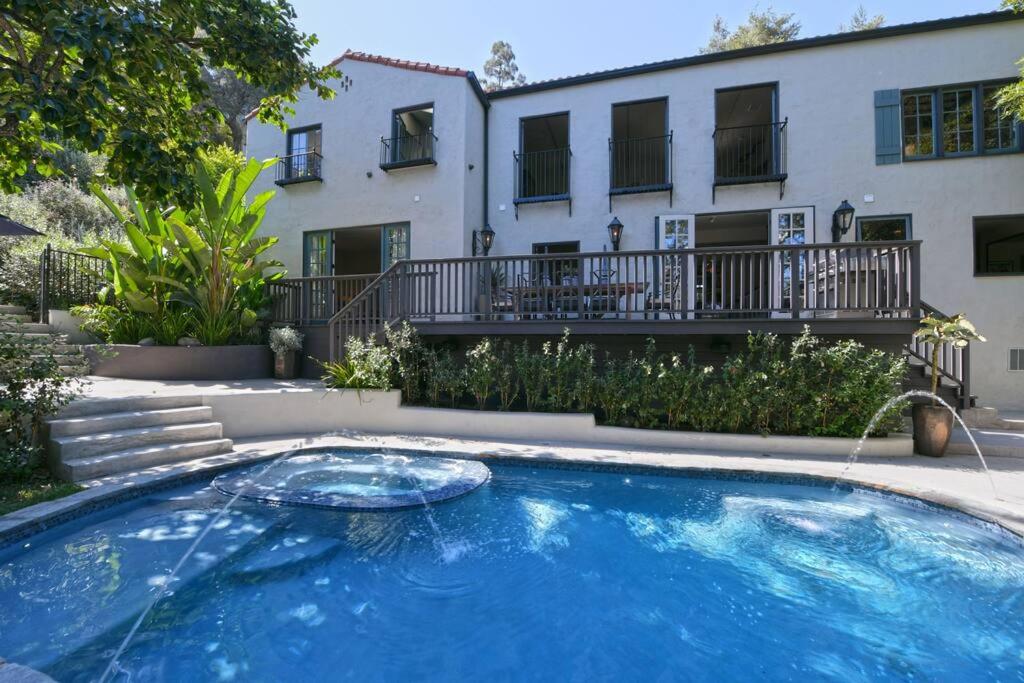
842,221
482,240
615,232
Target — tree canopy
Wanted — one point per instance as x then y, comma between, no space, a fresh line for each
1011,98
761,28
501,69
860,21
126,79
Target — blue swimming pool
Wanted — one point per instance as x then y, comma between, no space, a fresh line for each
540,573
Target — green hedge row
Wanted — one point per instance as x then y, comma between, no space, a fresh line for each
806,387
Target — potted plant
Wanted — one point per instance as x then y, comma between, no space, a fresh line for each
933,423
286,343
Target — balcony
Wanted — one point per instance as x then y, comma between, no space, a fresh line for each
639,165
750,154
407,151
542,176
298,168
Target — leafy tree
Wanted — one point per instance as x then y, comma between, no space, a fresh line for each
860,21
233,97
762,28
1011,98
126,79
501,69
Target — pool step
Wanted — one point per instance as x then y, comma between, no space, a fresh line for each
96,437
131,459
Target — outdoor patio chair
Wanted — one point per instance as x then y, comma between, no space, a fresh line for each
605,299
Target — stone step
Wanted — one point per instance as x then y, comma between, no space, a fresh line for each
24,327
132,419
8,309
99,406
73,447
131,459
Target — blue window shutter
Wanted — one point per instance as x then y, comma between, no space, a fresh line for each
887,127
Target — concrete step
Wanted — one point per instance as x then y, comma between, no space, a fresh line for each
73,447
74,370
67,348
24,327
99,406
992,442
989,418
8,309
132,419
19,318
30,337
132,459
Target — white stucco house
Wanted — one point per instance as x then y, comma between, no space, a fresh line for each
723,171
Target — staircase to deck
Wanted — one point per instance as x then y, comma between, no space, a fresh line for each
14,320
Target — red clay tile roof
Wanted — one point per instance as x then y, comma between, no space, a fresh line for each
401,64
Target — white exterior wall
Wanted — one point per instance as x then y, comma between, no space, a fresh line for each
827,93
352,125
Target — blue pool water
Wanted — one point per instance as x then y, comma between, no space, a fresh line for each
538,574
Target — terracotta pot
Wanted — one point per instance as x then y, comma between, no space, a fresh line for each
933,425
285,365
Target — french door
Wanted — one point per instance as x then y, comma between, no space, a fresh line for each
674,288
793,226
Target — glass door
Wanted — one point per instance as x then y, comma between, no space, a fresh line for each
675,292
317,267
793,226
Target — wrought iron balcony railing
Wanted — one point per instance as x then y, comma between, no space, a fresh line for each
750,154
407,150
640,164
543,175
298,168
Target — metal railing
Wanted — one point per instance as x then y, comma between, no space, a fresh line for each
543,174
298,167
954,363
864,280
311,300
407,150
640,163
68,279
750,153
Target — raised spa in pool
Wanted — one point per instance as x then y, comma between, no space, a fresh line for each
538,573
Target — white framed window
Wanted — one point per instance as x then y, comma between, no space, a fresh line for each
1016,360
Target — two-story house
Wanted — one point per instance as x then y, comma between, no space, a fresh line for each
848,182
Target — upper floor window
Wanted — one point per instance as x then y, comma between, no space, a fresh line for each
302,159
958,120
999,132
749,138
412,138
543,158
640,145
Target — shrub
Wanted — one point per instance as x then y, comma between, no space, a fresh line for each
506,380
31,388
534,370
682,388
365,366
408,357
285,340
481,370
452,378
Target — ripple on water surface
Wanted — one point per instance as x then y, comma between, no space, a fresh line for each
539,573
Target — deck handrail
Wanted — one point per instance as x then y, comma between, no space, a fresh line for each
854,280
954,362
313,298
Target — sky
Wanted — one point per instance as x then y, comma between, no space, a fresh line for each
553,38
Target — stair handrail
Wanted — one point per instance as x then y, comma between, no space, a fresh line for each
954,362
336,342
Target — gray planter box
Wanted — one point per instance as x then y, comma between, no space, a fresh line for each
128,361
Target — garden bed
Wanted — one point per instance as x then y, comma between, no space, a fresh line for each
129,361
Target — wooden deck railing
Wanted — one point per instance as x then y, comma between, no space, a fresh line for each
855,280
306,300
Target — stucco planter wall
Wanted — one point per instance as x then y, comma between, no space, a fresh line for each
247,414
129,361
